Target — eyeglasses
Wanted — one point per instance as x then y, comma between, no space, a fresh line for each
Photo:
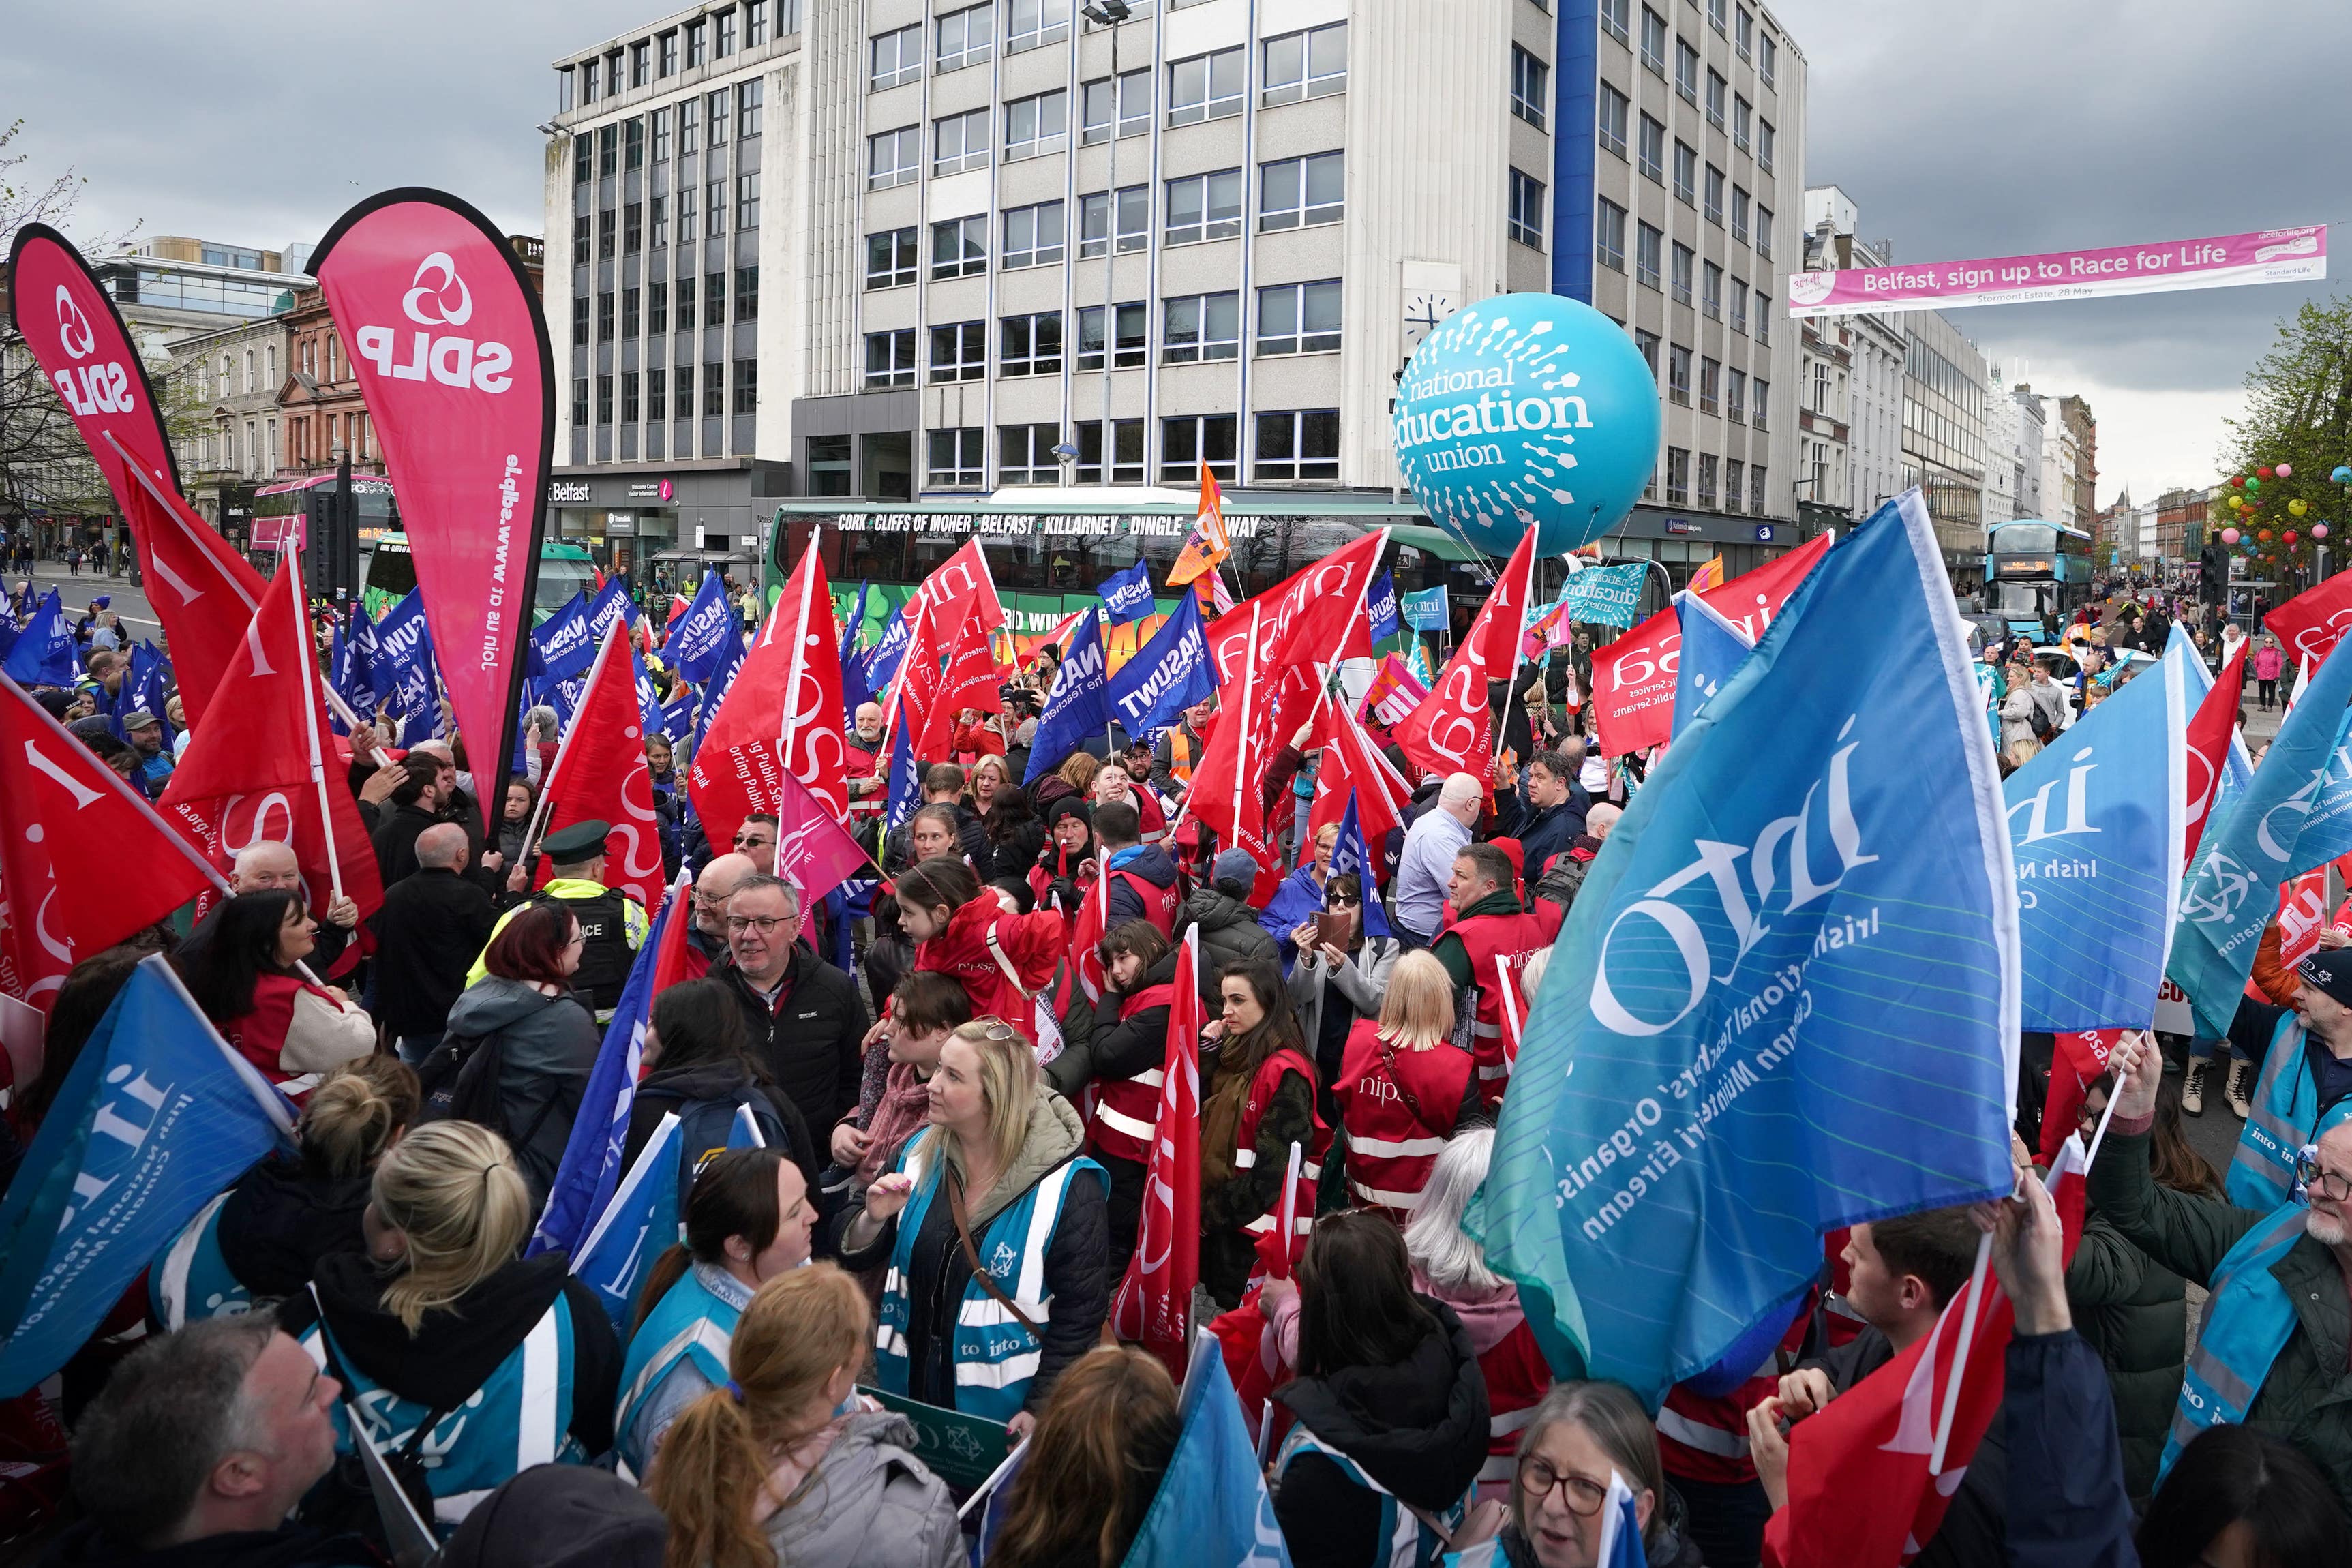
2333,1186
1340,901
1582,1495
994,1029
763,925
744,840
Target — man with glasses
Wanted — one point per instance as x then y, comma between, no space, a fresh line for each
705,939
806,1019
756,841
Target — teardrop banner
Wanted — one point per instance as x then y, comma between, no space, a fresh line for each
451,351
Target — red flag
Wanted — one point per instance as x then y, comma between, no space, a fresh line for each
2302,913
1632,691
919,676
84,860
600,774
1088,928
1452,729
1154,1299
961,580
1353,766
782,716
1330,588
2212,731
671,960
1226,791
2308,625
2076,1065
970,681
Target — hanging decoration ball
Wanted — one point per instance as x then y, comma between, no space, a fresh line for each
2229,536
2342,475
2235,503
2318,531
2265,536
2298,507
2290,537
2284,470
2239,480
2253,484
2263,472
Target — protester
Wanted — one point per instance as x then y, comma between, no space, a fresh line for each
1404,1088
1257,1103
1125,1061
415,806
243,965
1581,1434
698,1065
427,932
1549,813
804,1017
997,1176
2306,1084
1229,930
560,1516
755,840
1426,864
267,863
541,1039
613,924
705,939
1390,1404
515,818
1179,748
1142,880
748,1219
1113,785
440,1331
1300,896
1334,984
915,1026
1490,941
1095,1465
145,732
962,930
1067,863
2269,664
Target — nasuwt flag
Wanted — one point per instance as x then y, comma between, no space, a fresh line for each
1212,1510
2095,824
1127,596
203,591
2252,845
1351,855
2309,625
637,1227
562,647
2218,763
1800,937
445,336
156,1118
1153,1303
1452,731
1633,677
698,637
1381,606
404,671
1078,708
1169,673
600,774
84,860
43,652
1713,650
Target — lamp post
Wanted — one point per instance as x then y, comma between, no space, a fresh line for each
1108,14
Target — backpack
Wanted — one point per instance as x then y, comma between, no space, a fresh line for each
460,1083
704,1127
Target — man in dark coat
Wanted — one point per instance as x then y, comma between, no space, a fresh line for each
806,1021
428,932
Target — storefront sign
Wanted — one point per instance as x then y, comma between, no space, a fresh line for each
649,490
568,492
1681,525
620,522
1031,525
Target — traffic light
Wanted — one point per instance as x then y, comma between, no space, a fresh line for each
2214,578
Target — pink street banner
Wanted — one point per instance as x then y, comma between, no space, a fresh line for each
446,335
2271,256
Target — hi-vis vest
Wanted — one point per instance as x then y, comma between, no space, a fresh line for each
1406,1541
520,1417
1126,1112
691,1323
2282,1117
1160,904
2248,1320
1310,1165
994,1352
1180,757
191,1281
1499,947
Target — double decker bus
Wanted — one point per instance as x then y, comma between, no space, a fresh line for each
2033,569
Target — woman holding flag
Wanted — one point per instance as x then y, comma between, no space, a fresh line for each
243,965
1587,1469
1259,1102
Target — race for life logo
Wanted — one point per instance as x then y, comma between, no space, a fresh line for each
438,296
88,389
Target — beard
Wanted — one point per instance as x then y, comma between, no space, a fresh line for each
2325,1229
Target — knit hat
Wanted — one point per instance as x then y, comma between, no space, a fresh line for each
1068,805
2329,970
1233,873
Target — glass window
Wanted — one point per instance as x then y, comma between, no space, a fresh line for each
722,40
895,57
1306,64
1024,455
890,359
1299,192
684,376
1755,487
1134,207
1684,259
1764,144
607,149
1299,445
1739,215
1129,99
1767,54
1649,247
685,309
592,81
1132,323
890,259
1612,20
1717,91
714,299
583,159
1186,441
830,469
1298,317
612,74
689,124
661,135
603,401
656,307
1609,235
1197,327
604,227
1742,116
1032,235
1763,231
747,202
965,37
748,98
1035,22
1678,374
1763,317
1733,472
956,458
1706,468
1713,205
959,142
959,350
1204,206
1530,86
1686,174
685,228
698,45
629,397
755,24
717,118
563,88
631,313
1687,71
1678,475
1037,125
1653,40
633,142
1747,31
746,386
1030,344
1647,343
1527,213
603,322
893,158
746,293
1654,149
1710,375
578,318
960,247
1759,395
657,220
1735,395
1738,306
1206,87
1612,118
666,52
714,215
1127,451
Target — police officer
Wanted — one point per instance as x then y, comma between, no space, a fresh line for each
613,924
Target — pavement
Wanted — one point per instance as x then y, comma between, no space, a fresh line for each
76,593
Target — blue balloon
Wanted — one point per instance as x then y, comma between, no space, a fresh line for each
1528,411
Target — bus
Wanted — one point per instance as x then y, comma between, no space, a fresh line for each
2034,569
387,572
293,512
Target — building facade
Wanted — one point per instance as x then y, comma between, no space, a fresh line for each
1943,401
234,375
2081,474
2032,428
2181,523
2004,441
1877,345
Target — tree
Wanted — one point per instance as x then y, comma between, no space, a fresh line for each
2298,414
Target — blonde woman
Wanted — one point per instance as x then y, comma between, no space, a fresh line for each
1403,1087
995,1175
782,1466
495,1363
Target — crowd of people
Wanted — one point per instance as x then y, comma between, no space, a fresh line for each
956,1075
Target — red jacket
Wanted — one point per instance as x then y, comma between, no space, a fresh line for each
1031,944
1390,1146
1288,1059
1127,1114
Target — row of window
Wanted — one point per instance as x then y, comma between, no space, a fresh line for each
657,301
1306,64
714,35
1678,490
665,391
1753,44
1649,249
1291,444
1650,158
623,145
632,219
1731,392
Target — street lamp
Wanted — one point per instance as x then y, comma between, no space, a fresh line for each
1108,14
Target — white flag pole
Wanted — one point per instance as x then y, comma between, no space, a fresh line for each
1978,1286
305,662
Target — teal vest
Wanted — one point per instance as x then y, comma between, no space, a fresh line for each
189,1280
996,1354
2282,1117
520,1417
691,1323
1407,1541
2247,1322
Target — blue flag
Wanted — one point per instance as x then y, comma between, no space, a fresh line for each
350,667
44,654
1128,595
1424,609
611,604
1789,991
1712,649
156,1118
723,671
879,664
1212,1510
12,623
677,719
1167,675
906,786
855,692
698,639
1608,595
590,1171
1350,854
1620,1529
635,1227
2095,824
1381,604
405,681
563,645
2252,844
1078,707
649,702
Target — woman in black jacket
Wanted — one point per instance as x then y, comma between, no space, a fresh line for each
699,1063
1125,1057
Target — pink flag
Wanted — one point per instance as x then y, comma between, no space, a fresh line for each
813,851
1153,1301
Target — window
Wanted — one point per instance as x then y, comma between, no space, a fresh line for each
1746,32
749,96
714,389
1763,317
657,308
829,467
1198,327
665,53
1677,477
603,401
1764,144
1647,343
1612,20
1134,217
1759,397
747,202
1653,150
1132,323
1732,471
631,311
684,311
1741,117
1686,174
1530,86
1127,451
1304,65
578,318
1739,215
722,43
1684,259
890,359
603,322
959,142
1526,223
1756,489
959,351
714,215
1036,125
1687,73
746,293
1717,91
1678,359
1609,235
1738,306
583,159
605,234
965,37
1188,440
1298,192
1032,235
661,135
1024,455
714,299
583,237
1706,468
686,229
1713,206
578,404
755,24
1653,40
1206,87
717,118
890,259
892,158
1204,206
698,45
1298,317
1711,377
1735,395
657,218
591,80
1711,292
612,74
1612,118
957,458
563,84
1767,53
1763,231
685,378
607,145
1036,22
1650,242
960,247
1126,100
629,397
689,124
1301,446
633,142
1820,386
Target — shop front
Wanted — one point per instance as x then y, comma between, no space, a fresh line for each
660,526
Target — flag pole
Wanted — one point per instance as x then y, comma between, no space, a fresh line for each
1518,638
305,659
563,752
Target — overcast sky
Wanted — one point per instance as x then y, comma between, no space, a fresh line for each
1996,128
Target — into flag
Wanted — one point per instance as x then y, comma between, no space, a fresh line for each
1212,1509
1713,649
1153,1304
635,1227
1620,1529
